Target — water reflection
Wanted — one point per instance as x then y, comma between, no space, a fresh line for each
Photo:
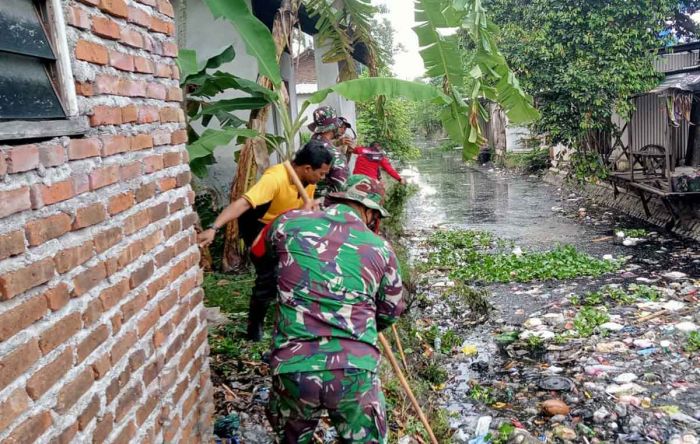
457,195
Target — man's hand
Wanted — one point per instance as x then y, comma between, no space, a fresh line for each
206,237
312,205
402,181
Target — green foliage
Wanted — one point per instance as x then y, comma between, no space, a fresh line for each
475,298
534,343
201,87
588,319
585,166
645,292
397,197
692,344
633,232
481,71
340,29
434,374
369,87
481,394
449,340
228,344
391,129
504,432
582,60
479,256
530,162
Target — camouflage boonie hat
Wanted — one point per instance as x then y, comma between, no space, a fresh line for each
325,119
363,190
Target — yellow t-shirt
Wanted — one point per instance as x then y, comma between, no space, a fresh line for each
276,188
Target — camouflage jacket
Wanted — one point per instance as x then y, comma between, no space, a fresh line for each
339,283
338,174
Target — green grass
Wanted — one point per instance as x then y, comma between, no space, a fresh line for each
230,293
633,232
530,162
692,344
479,256
588,319
228,343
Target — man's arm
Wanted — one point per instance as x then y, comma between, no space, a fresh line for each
339,173
390,169
231,212
259,194
390,302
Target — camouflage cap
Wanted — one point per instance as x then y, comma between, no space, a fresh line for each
363,190
325,119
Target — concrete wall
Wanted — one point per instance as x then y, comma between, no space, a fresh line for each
327,75
629,203
102,332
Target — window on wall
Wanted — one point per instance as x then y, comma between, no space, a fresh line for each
36,82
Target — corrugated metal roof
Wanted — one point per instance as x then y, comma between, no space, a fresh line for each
687,81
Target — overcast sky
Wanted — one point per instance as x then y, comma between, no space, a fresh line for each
408,64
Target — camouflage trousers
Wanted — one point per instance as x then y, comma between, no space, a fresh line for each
353,399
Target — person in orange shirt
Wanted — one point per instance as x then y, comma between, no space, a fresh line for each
271,196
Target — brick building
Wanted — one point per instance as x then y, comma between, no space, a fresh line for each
102,331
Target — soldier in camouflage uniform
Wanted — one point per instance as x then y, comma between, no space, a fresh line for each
339,285
326,127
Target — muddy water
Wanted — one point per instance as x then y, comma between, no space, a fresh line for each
536,216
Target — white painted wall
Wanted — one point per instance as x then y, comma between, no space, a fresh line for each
327,75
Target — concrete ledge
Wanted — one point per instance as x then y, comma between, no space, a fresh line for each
630,204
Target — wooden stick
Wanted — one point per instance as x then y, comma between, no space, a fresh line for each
297,182
400,347
395,365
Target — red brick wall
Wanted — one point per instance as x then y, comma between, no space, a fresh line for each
102,330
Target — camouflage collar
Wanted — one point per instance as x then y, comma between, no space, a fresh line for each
344,208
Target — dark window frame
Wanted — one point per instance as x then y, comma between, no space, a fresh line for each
59,73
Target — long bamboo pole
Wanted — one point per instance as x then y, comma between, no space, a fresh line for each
385,345
402,380
399,346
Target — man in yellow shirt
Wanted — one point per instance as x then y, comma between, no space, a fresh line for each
271,196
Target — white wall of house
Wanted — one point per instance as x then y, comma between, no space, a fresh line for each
327,75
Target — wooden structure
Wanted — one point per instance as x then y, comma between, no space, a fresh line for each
655,145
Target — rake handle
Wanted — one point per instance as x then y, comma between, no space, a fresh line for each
402,380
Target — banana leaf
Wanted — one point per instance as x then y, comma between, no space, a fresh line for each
190,68
201,150
369,88
230,105
210,85
441,55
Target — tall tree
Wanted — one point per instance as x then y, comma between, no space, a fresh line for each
582,59
681,23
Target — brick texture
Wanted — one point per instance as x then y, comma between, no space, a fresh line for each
100,315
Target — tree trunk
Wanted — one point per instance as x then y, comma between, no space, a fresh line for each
254,157
498,124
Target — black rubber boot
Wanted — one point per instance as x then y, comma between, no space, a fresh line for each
256,318
264,292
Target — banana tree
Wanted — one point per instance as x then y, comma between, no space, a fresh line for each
468,76
201,88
